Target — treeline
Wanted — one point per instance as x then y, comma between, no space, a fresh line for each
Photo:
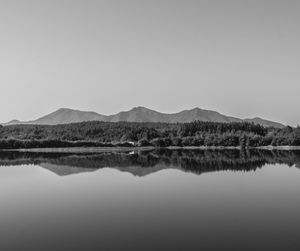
98,133
20,144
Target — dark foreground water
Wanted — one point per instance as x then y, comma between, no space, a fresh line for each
156,200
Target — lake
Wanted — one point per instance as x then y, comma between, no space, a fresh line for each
150,200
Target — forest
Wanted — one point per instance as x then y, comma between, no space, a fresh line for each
97,133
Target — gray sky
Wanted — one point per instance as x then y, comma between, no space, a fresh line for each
240,58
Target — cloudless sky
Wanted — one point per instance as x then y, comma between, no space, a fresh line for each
241,58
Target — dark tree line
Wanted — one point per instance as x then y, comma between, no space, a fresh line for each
96,133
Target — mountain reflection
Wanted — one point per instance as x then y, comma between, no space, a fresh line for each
146,162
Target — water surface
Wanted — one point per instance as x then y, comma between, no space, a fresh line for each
153,200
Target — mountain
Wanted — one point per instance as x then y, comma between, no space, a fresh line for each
67,116
265,123
140,114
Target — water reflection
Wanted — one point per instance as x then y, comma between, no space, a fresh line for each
169,210
143,163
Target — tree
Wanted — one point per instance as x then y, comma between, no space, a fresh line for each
244,141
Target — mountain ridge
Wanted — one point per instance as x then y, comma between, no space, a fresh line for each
140,114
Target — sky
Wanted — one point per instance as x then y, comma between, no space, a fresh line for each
240,58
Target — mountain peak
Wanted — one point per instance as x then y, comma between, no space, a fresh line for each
14,121
140,114
64,109
140,108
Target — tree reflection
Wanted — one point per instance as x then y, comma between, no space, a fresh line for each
146,162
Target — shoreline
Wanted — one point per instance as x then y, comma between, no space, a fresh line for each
147,148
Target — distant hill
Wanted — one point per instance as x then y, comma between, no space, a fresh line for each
139,114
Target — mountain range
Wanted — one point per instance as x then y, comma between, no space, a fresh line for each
139,114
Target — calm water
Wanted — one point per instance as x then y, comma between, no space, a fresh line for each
156,200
